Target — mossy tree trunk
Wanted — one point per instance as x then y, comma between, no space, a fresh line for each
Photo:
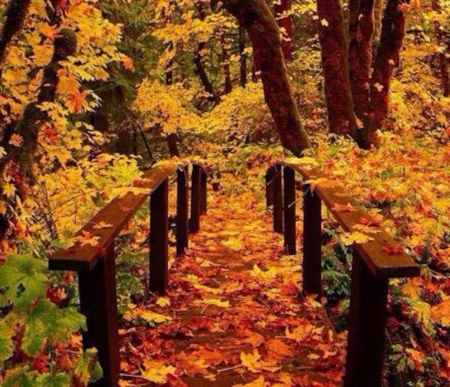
261,26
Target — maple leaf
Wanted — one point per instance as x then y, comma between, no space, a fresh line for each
393,248
441,313
50,32
300,333
101,225
214,301
16,140
355,237
157,372
252,361
163,301
87,239
280,348
344,207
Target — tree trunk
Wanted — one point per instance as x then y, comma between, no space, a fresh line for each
282,12
361,28
378,16
443,61
341,116
264,34
199,68
21,159
225,59
242,57
387,58
15,14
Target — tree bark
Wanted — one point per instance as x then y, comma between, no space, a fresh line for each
199,68
225,59
443,61
264,34
361,29
15,15
387,58
21,158
282,12
341,117
242,57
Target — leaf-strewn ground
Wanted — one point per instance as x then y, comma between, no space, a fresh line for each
232,315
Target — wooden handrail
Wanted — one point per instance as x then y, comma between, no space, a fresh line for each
96,264
372,266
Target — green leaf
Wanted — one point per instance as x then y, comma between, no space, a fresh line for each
6,343
46,322
24,280
20,377
87,367
58,380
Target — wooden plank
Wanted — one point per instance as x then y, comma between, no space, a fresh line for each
270,174
116,214
194,222
278,200
182,210
203,191
312,242
381,263
367,322
98,302
159,239
290,234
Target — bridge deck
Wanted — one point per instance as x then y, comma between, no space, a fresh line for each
235,317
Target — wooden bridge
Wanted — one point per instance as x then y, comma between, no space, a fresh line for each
272,316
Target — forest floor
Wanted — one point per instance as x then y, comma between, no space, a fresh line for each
232,316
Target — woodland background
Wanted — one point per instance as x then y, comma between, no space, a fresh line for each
93,92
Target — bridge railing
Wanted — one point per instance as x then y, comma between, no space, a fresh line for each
96,264
372,265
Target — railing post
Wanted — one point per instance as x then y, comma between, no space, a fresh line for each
367,322
289,211
194,222
278,199
98,302
182,210
159,238
270,174
203,191
312,246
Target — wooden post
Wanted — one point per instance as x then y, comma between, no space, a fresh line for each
312,235
194,222
203,191
270,174
278,199
289,212
182,210
98,302
159,238
367,322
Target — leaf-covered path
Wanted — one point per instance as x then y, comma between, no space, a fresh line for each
232,315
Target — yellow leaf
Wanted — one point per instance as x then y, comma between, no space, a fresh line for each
163,301
214,301
441,313
157,372
87,239
355,237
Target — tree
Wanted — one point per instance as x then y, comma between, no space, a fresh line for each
341,116
261,26
369,81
